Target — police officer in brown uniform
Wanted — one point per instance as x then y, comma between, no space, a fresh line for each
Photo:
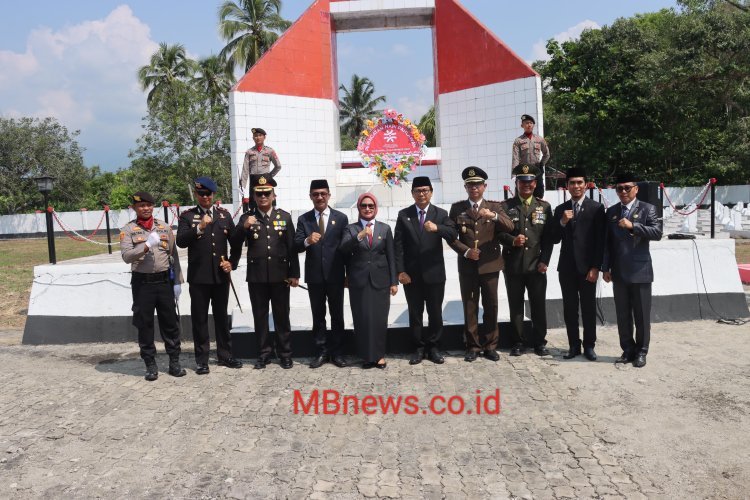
531,149
479,223
258,160
527,251
148,245
272,267
205,231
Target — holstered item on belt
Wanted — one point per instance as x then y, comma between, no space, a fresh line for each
161,277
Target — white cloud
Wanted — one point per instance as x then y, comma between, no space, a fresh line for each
85,76
539,50
400,49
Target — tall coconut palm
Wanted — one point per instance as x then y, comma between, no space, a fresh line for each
250,27
427,126
357,105
214,77
168,65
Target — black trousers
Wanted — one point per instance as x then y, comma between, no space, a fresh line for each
536,285
278,295
327,343
472,286
539,189
633,305
418,294
200,297
576,289
149,294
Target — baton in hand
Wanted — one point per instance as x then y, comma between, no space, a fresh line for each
301,286
231,283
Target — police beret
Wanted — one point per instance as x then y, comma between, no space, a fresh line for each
528,117
258,130
205,183
319,184
525,172
625,177
575,172
473,174
142,196
262,182
421,181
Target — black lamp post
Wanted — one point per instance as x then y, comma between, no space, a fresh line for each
44,185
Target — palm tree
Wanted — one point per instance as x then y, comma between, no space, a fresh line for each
214,77
357,105
168,65
250,27
427,126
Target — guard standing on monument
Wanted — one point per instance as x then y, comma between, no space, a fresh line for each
479,223
258,160
205,231
531,149
148,245
272,267
527,251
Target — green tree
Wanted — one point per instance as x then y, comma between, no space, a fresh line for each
30,147
249,27
214,77
427,125
357,105
168,65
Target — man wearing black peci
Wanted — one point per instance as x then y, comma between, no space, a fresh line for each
319,234
579,225
420,231
205,231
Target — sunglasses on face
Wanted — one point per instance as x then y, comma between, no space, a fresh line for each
367,206
422,191
624,189
263,194
203,193
319,194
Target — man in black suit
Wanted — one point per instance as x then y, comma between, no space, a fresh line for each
579,224
631,225
272,267
420,230
319,235
205,231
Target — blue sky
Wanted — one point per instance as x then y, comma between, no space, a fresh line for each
77,60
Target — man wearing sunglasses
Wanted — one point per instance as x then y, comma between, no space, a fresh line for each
205,231
631,225
319,234
272,267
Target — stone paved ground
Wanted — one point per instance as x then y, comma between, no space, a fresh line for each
79,421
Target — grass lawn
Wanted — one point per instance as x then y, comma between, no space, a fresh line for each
17,260
742,250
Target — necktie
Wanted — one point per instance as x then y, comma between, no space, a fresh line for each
322,224
369,236
576,209
476,208
421,219
625,212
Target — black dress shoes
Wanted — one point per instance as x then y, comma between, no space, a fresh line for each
417,357
381,366
319,361
152,372
368,364
435,356
470,356
540,350
339,361
202,369
588,353
517,350
640,360
573,352
261,363
491,354
230,363
175,369
626,357
286,363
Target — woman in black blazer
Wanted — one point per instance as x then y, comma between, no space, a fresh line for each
371,272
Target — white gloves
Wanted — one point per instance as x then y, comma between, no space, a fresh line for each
177,290
153,239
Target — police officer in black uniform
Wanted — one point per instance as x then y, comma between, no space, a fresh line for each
272,267
205,231
527,251
148,245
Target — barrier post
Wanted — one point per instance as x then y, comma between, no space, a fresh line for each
165,204
109,236
505,192
50,232
713,208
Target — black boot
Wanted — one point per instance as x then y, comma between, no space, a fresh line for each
174,367
152,371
